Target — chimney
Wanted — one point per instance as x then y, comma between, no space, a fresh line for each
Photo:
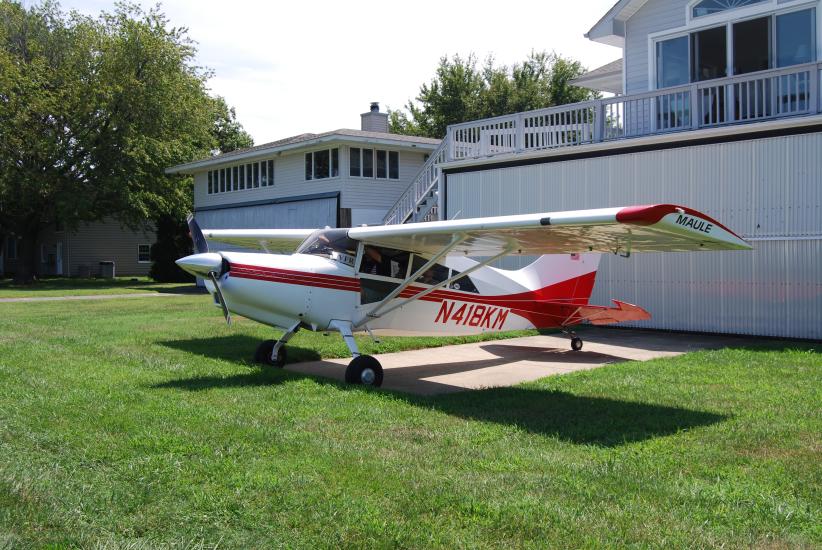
374,120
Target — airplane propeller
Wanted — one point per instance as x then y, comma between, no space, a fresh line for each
213,276
206,264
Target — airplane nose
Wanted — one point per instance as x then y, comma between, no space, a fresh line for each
201,264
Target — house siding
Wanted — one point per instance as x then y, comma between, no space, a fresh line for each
764,189
654,16
107,241
84,249
366,195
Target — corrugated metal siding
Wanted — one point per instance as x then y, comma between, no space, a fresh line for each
769,190
654,16
107,241
289,181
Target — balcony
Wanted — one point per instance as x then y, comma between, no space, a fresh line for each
753,97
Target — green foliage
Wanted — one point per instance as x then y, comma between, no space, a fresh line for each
92,111
229,133
173,242
462,91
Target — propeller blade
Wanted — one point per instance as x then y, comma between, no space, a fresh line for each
213,276
200,243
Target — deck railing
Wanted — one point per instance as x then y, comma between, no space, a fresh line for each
763,95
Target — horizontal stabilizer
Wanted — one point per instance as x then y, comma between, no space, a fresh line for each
602,315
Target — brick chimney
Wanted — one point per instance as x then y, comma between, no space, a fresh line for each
374,120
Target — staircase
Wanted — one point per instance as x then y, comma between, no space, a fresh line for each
420,202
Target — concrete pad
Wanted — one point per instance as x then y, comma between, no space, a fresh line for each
508,362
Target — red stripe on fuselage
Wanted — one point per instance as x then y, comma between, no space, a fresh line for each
545,307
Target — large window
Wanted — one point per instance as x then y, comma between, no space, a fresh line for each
758,44
672,62
369,163
322,164
795,38
241,177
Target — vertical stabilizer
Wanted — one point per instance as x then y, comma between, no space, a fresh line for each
568,277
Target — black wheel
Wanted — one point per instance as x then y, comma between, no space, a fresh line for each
364,370
576,343
263,354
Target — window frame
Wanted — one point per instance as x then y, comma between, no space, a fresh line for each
333,164
727,18
139,261
374,153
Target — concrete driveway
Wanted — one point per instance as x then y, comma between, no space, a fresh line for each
509,362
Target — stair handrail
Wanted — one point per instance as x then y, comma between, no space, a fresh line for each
422,184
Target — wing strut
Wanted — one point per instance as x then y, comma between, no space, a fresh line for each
427,291
455,240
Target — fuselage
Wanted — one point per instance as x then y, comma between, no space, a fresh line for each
278,289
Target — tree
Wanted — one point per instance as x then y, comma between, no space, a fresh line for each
92,111
228,133
462,91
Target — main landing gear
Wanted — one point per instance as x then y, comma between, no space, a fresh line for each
363,369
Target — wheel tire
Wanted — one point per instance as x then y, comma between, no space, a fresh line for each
263,354
576,343
364,370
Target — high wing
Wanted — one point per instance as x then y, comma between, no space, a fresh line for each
269,240
661,227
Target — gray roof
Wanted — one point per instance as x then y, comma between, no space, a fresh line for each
607,78
306,139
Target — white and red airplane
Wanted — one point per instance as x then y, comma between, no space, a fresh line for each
421,279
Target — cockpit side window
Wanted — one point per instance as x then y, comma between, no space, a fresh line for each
437,273
464,284
385,262
331,243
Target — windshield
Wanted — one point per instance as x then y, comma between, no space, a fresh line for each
331,243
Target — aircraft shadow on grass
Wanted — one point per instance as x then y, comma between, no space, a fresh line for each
573,418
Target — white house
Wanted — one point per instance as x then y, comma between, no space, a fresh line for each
718,108
338,178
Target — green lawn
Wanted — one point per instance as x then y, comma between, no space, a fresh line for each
63,286
140,423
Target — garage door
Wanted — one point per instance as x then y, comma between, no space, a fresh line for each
276,214
307,212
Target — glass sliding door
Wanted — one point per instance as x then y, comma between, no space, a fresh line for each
752,45
709,54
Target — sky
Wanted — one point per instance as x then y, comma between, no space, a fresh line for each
294,67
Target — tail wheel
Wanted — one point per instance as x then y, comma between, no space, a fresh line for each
263,354
364,370
576,343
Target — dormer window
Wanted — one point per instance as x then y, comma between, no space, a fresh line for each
710,7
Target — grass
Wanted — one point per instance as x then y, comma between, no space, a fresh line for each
140,423
63,286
